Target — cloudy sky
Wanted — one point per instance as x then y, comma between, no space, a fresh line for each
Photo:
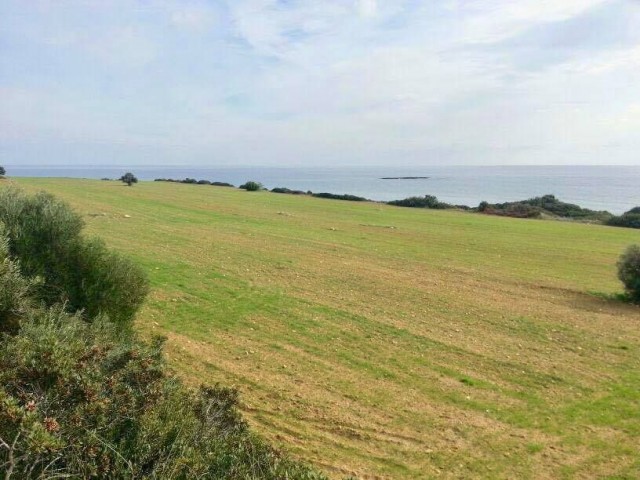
335,82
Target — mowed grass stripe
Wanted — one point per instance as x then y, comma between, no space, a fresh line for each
457,343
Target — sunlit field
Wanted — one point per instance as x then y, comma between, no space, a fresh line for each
386,342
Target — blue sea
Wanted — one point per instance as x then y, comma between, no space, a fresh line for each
612,188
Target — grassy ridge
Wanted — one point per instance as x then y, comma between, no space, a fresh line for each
390,342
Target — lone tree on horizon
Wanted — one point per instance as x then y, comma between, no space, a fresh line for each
129,178
2,171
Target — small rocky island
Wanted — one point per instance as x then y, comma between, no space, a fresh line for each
402,178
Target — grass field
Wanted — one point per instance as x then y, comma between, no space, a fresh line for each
386,342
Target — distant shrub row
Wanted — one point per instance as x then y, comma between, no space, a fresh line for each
428,201
545,205
333,196
194,182
536,207
630,219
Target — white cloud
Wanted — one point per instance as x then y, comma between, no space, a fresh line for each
367,8
360,80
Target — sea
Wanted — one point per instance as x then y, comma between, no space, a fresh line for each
612,188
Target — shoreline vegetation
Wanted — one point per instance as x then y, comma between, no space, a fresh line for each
544,207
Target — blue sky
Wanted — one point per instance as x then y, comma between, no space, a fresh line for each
286,82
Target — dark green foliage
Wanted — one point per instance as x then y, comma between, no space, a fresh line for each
2,171
251,186
547,204
287,190
101,282
514,209
44,235
14,289
629,219
78,400
428,201
129,178
629,272
194,181
334,196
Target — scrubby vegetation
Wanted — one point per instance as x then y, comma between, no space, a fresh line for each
251,186
129,178
547,205
629,272
288,191
629,219
428,201
79,273
3,172
82,397
334,196
195,182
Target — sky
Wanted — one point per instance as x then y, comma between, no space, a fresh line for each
319,83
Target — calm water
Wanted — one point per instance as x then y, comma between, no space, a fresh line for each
616,188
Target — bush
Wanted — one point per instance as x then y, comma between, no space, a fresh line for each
77,400
335,196
129,178
287,191
44,235
629,219
629,272
428,201
537,206
14,289
3,172
251,186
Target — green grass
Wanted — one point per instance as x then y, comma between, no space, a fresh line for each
453,343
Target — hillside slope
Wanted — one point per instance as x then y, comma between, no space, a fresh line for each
390,342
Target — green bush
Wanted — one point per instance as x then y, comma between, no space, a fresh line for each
129,178
2,171
44,236
629,272
629,219
14,289
79,400
428,201
251,186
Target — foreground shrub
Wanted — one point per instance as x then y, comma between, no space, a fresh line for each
251,186
629,272
14,289
79,400
44,236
